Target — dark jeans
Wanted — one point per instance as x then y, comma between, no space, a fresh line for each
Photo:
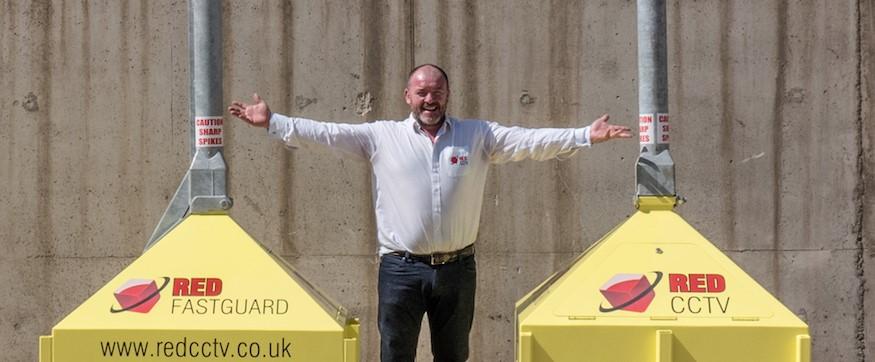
409,288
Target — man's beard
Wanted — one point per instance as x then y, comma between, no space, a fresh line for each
422,124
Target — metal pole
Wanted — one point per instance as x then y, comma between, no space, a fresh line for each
655,168
208,171
205,60
203,189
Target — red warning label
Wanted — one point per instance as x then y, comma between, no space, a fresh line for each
646,134
209,131
663,129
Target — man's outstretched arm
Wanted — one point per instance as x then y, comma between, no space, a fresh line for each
516,143
353,138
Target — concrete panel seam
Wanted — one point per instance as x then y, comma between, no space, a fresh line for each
785,250
80,257
411,34
742,250
482,253
777,137
298,256
859,194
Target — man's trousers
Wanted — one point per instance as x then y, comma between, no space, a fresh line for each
408,289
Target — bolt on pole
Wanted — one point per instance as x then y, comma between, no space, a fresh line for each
655,167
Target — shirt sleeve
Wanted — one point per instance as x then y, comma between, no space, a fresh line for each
356,139
505,144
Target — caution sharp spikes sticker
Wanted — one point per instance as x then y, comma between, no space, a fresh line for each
662,129
645,129
653,129
209,132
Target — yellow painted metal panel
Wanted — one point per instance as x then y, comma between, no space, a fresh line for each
651,203
655,272
525,347
45,349
351,342
207,289
663,345
637,343
803,348
175,345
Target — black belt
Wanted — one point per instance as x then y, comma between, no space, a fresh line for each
437,258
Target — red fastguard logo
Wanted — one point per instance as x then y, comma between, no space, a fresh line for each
635,292
192,296
140,295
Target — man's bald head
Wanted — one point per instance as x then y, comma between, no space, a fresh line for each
429,70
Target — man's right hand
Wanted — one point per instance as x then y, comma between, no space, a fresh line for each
256,114
601,130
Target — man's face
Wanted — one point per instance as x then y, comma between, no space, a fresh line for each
427,95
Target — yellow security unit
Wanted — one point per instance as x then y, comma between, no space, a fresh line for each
206,291
654,289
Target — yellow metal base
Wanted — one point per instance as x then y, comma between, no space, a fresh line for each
652,203
206,291
662,343
654,289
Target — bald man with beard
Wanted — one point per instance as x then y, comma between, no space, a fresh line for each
429,173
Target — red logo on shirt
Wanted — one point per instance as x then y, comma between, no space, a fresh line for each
461,160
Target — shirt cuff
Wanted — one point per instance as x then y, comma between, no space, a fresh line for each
282,127
581,137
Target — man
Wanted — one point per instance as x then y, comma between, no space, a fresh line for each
429,172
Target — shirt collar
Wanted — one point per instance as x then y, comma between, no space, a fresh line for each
448,125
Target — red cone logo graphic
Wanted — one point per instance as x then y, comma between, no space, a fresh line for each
138,295
629,292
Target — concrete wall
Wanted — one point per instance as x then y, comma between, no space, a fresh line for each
771,100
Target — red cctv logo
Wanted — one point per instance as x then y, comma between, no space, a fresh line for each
691,293
629,292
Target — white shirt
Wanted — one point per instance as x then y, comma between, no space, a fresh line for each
428,195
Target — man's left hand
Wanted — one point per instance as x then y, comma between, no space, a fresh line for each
601,130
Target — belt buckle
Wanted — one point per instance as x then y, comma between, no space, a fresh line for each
440,259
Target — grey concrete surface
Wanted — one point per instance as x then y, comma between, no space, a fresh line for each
807,288
770,101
